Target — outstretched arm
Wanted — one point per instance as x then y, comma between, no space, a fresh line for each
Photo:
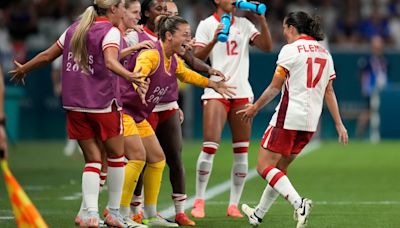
43,58
331,102
268,95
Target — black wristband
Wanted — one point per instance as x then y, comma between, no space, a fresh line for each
3,121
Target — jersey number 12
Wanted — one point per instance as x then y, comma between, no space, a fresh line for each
310,63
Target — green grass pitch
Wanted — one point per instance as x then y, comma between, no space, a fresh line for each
357,185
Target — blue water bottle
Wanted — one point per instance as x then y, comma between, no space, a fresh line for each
255,7
224,33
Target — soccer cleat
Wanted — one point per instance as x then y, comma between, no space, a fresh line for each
249,212
105,212
159,221
183,220
198,209
233,211
132,224
138,217
90,220
301,214
115,219
78,218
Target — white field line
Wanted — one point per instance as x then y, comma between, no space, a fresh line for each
226,185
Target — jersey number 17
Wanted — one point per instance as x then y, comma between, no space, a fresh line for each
310,63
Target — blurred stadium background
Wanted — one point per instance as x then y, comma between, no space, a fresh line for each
346,184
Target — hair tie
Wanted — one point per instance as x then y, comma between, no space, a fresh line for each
96,7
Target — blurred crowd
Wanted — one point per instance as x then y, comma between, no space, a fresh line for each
349,24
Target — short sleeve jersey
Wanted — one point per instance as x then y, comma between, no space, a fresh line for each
231,57
309,69
112,39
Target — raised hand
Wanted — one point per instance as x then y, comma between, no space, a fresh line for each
18,74
218,30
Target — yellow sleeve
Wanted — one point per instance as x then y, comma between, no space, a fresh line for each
187,75
147,62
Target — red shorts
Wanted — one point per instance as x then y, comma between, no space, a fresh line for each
285,142
84,125
230,104
156,118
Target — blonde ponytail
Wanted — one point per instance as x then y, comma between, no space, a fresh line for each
78,41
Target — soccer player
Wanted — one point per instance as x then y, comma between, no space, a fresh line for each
232,58
304,73
166,116
172,9
162,66
90,94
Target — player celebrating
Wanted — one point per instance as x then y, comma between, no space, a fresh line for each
232,58
90,94
304,72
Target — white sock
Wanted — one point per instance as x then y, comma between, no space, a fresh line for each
204,167
124,211
150,211
115,175
279,181
137,204
239,171
267,199
91,185
179,202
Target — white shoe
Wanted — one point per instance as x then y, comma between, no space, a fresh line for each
301,214
159,221
132,224
90,219
249,212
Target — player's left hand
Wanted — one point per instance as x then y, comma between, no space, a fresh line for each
248,113
342,132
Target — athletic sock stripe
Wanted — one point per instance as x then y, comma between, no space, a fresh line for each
240,144
116,159
276,178
211,144
91,169
209,150
266,171
116,164
240,150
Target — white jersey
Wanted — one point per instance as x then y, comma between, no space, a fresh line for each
232,57
310,68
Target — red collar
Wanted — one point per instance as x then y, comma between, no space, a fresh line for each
305,37
218,18
148,31
102,19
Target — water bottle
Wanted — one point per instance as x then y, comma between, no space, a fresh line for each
255,7
224,33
